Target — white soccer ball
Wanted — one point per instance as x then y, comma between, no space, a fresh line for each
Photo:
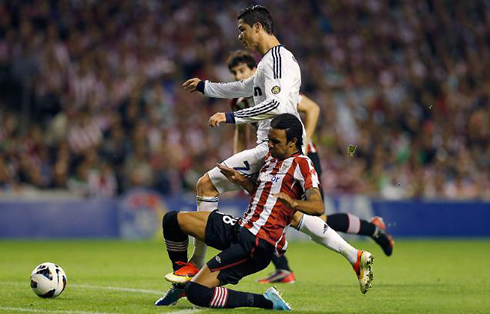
48,280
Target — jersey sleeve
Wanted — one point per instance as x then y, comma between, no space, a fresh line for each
277,86
237,89
305,174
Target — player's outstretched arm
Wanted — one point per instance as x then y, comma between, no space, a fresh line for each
237,89
312,206
237,178
312,112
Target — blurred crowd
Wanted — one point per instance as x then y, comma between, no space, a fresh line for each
91,99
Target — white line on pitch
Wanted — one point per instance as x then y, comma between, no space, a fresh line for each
189,311
20,309
95,287
117,289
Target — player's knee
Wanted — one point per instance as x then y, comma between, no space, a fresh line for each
198,294
169,219
171,227
203,182
205,187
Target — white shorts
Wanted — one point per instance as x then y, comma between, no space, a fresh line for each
247,162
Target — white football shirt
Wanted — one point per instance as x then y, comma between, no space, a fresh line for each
274,87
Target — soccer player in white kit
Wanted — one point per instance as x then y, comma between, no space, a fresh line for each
275,89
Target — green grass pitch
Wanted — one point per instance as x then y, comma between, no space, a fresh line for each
436,276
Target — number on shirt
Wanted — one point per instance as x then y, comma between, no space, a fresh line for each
227,219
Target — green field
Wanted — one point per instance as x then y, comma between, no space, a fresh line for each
127,277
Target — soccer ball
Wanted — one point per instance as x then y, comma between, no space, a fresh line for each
48,280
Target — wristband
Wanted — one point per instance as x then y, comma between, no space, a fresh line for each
230,117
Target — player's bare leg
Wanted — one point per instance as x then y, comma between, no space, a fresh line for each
322,234
207,201
193,223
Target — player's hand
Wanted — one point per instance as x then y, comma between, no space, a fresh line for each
285,199
231,174
216,119
191,84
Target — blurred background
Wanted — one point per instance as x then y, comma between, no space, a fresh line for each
91,104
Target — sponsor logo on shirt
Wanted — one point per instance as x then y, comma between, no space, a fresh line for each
264,177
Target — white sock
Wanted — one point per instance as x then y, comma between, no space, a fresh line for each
322,234
206,204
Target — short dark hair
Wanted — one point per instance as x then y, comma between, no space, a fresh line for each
241,56
292,125
257,14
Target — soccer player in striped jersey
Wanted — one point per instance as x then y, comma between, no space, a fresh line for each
242,65
275,90
287,187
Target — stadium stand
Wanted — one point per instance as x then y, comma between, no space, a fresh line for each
91,99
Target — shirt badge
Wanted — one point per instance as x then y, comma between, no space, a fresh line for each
276,90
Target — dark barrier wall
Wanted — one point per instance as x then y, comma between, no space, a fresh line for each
139,215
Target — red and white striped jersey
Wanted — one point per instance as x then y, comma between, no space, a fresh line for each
266,217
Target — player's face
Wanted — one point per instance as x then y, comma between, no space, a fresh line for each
279,147
242,72
246,35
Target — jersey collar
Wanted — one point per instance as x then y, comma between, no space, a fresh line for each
280,45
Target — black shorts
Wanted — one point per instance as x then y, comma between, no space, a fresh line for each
315,158
242,252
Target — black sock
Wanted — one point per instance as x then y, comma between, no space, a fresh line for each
175,240
221,297
367,228
351,224
280,262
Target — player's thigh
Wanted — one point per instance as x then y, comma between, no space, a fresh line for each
247,162
221,230
193,223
